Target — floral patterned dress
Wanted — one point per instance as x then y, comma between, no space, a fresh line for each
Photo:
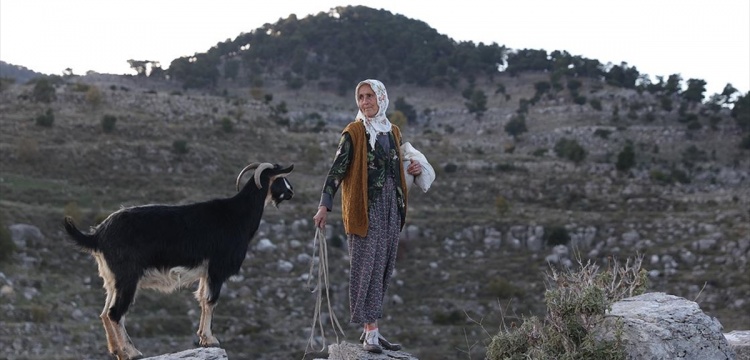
373,257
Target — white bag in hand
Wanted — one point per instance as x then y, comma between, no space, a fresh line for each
425,179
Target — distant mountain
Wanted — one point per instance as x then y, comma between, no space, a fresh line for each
21,74
337,48
334,49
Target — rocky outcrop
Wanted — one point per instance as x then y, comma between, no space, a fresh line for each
739,340
349,351
662,326
194,354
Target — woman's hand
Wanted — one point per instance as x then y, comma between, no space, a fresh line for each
320,217
414,168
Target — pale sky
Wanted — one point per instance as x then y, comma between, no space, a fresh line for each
702,39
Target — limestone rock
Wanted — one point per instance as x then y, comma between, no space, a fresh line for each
194,354
349,351
739,340
662,326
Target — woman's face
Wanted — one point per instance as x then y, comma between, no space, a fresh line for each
367,102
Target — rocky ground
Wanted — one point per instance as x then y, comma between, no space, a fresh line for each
472,258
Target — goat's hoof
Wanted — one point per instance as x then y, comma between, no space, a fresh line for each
207,343
118,357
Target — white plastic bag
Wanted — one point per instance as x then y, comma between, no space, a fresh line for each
425,179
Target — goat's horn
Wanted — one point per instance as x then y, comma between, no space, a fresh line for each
249,167
262,167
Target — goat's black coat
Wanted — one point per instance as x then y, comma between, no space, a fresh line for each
215,233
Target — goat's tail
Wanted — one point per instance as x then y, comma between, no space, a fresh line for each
86,242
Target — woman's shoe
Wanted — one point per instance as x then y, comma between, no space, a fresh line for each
370,343
388,345
385,344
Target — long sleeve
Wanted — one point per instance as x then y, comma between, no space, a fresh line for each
337,172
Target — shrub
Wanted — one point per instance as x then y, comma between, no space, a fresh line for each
557,235
180,147
399,119
108,123
502,205
43,91
596,104
576,304
745,143
571,150
46,119
503,289
93,96
694,125
660,177
602,133
227,125
666,103
7,246
626,158
516,126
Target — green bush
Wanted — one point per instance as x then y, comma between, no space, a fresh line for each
745,143
602,133
502,205
626,158
539,152
576,304
557,235
180,147
503,289
7,246
227,125
596,104
108,123
46,119
571,150
44,91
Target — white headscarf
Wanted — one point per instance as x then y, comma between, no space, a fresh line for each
379,123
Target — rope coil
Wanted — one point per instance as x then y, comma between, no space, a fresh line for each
319,241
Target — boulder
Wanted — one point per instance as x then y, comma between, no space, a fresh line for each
739,340
661,326
194,354
349,351
25,235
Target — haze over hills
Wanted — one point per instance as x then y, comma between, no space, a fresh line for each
556,155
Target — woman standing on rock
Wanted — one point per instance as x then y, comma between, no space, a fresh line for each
368,168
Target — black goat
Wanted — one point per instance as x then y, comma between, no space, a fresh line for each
165,247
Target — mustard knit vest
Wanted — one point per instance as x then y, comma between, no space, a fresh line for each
354,202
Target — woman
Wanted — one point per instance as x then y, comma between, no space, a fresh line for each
368,168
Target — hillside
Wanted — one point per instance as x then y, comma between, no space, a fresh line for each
475,243
601,167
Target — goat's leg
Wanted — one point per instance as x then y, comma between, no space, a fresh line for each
124,294
109,328
109,286
205,336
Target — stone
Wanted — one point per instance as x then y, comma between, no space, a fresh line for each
662,326
739,340
194,354
349,351
24,235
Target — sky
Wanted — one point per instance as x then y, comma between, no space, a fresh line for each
698,39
